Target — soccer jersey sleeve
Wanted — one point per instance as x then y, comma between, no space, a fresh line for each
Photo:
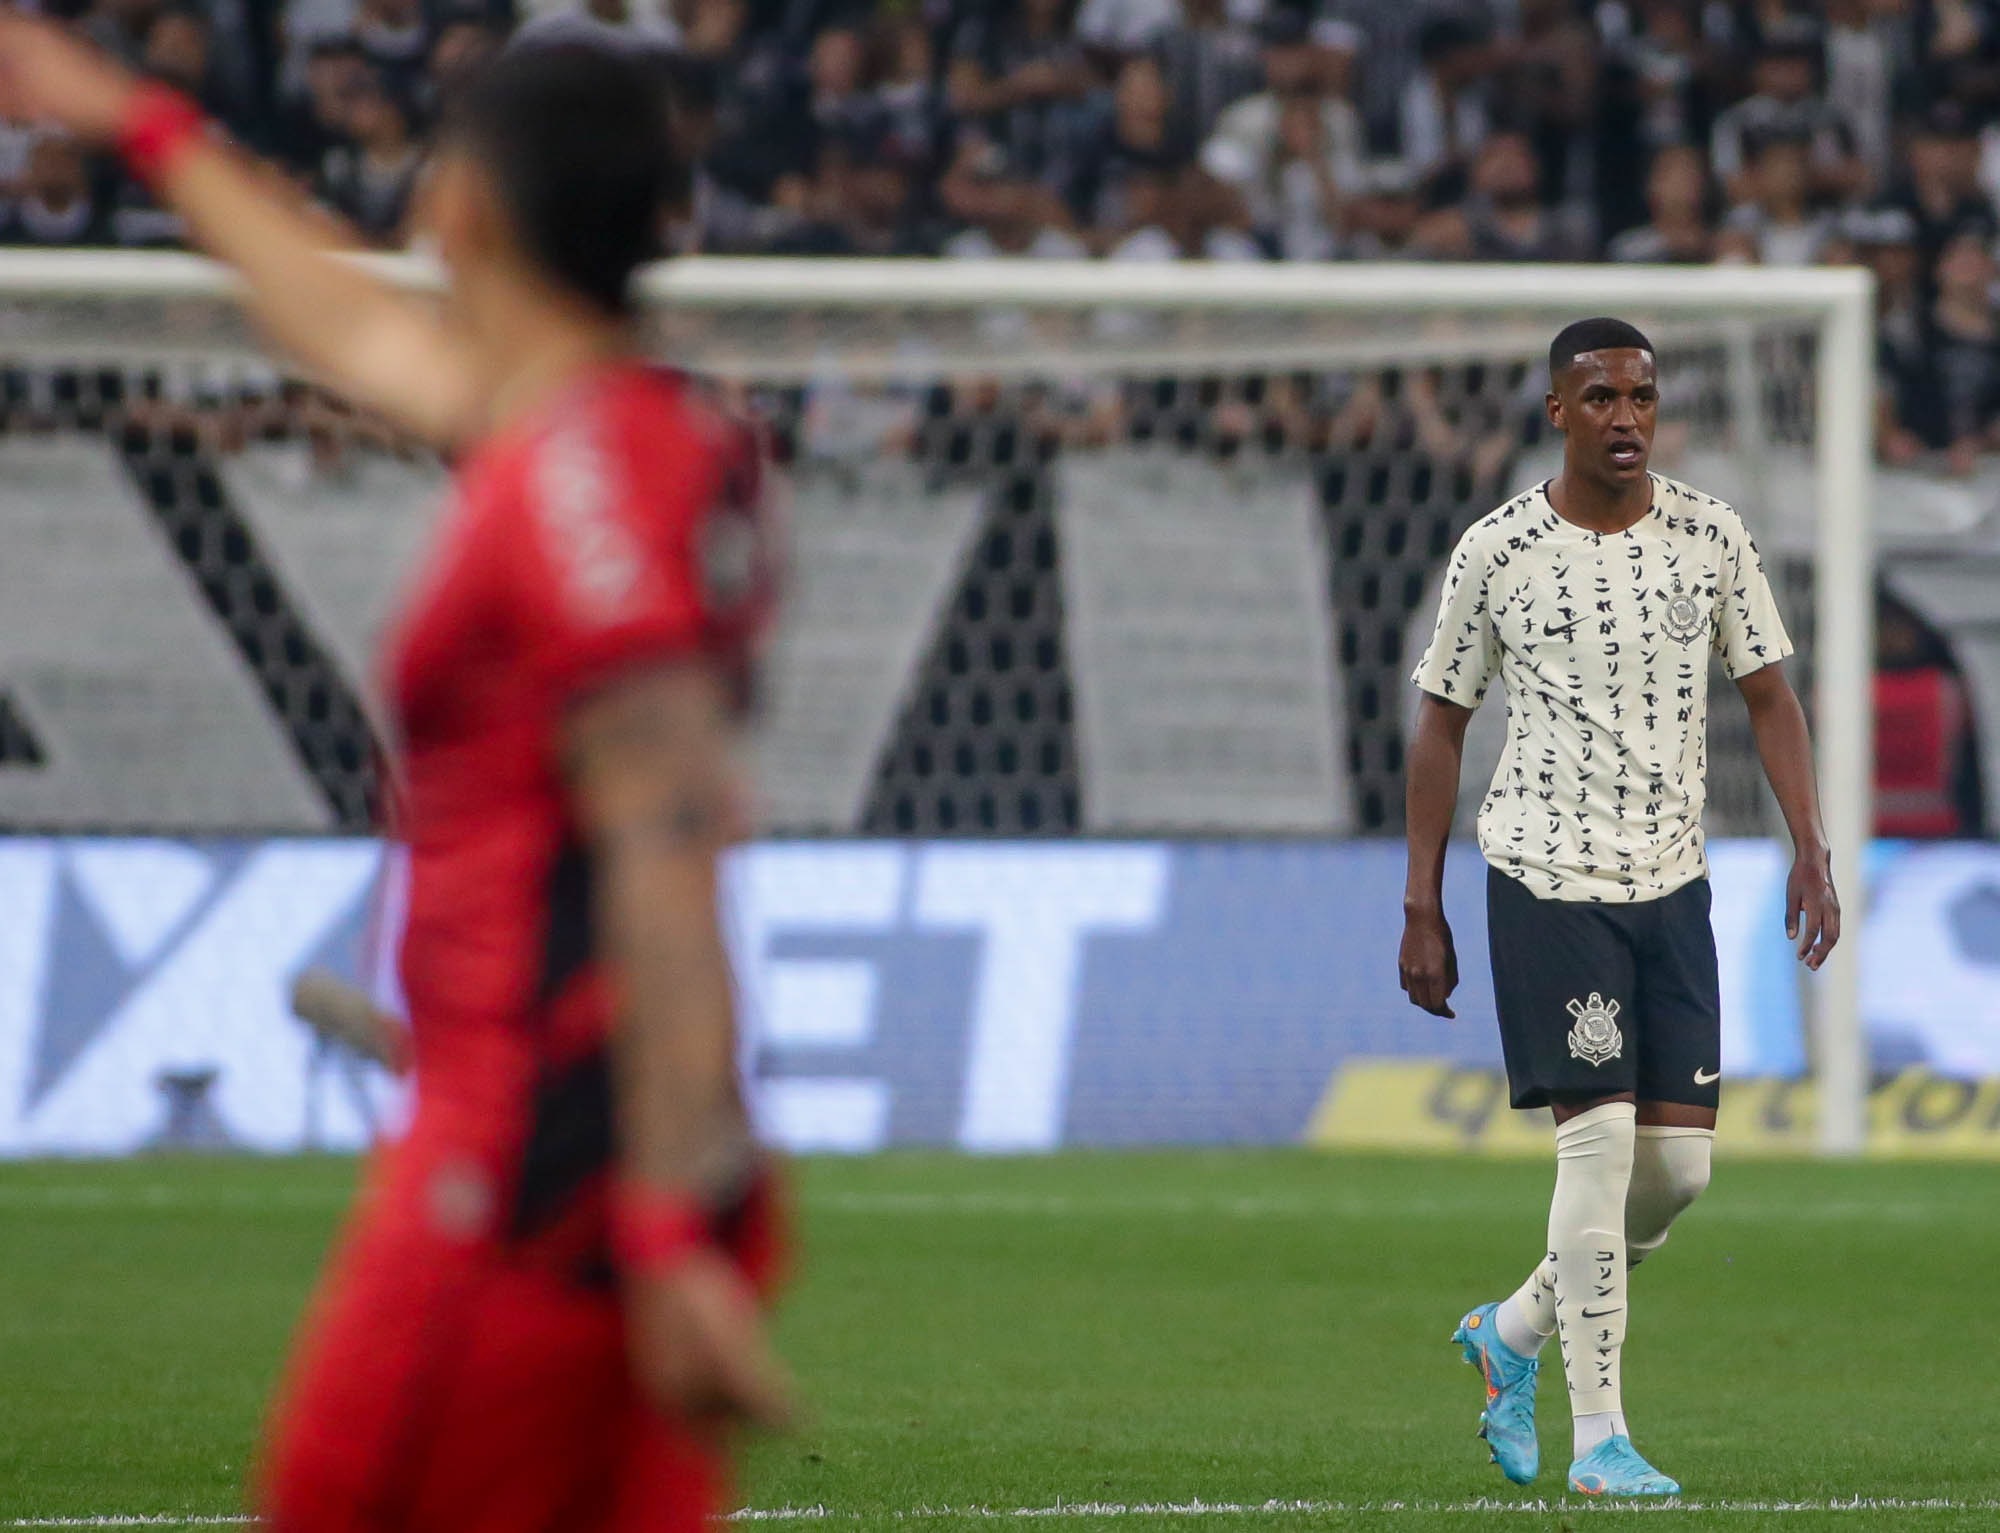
1749,633
642,543
1464,653
604,560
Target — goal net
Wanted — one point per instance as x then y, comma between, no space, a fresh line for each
1115,550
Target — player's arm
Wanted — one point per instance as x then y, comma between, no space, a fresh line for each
1428,963
1812,908
653,788
384,350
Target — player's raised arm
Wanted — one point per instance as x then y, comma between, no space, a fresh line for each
1812,907
380,348
653,783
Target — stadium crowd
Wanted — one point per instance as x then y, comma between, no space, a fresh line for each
1145,130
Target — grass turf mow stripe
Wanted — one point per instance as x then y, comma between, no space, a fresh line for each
1195,1508
157,1197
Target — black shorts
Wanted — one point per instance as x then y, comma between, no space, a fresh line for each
1598,999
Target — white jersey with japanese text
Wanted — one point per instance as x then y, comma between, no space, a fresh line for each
1602,642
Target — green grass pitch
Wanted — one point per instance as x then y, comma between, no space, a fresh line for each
1138,1331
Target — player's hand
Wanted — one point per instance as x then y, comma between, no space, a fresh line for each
1428,962
698,1344
48,74
1812,909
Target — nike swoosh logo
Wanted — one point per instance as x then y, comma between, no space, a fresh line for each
1707,1077
1598,1314
1550,631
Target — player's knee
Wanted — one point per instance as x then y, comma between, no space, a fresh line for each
1670,1170
1684,1158
1687,1174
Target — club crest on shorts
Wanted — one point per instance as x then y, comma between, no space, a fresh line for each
1596,1037
1683,620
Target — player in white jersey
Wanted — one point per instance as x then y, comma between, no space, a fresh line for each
1596,598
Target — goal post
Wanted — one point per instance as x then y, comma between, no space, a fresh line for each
1068,337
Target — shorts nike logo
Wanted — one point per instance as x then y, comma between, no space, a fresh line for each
1551,631
1707,1077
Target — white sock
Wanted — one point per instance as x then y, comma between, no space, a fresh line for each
1592,1429
1527,1319
1669,1171
1587,1249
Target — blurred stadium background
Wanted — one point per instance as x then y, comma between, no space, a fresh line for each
1082,747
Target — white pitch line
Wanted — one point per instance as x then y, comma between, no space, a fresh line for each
1195,1508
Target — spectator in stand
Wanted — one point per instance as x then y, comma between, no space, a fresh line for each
55,204
1384,39
1952,403
1884,239
722,218
1776,213
1382,219
1289,149
1152,219
1446,107
391,35
1927,780
1941,188
178,50
1660,49
119,27
1960,40
370,182
313,123
1785,103
1005,213
1137,138
1216,224
617,23
1211,61
761,146
1117,29
463,44
1021,75
1679,196
1547,74
907,99
1870,68
860,202
1505,217
395,38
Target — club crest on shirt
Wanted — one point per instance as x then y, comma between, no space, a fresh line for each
1596,1037
1683,620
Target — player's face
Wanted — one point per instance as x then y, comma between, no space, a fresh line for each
1607,404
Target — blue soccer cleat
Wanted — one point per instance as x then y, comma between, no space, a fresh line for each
1508,1422
1614,1468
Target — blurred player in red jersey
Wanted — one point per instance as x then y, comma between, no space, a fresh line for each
546,1312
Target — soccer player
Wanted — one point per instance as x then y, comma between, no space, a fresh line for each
546,1312
1596,598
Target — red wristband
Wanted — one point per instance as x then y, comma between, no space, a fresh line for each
653,1232
160,124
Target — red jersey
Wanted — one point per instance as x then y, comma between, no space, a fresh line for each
617,527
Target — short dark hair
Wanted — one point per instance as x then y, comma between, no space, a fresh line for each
1600,334
578,141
